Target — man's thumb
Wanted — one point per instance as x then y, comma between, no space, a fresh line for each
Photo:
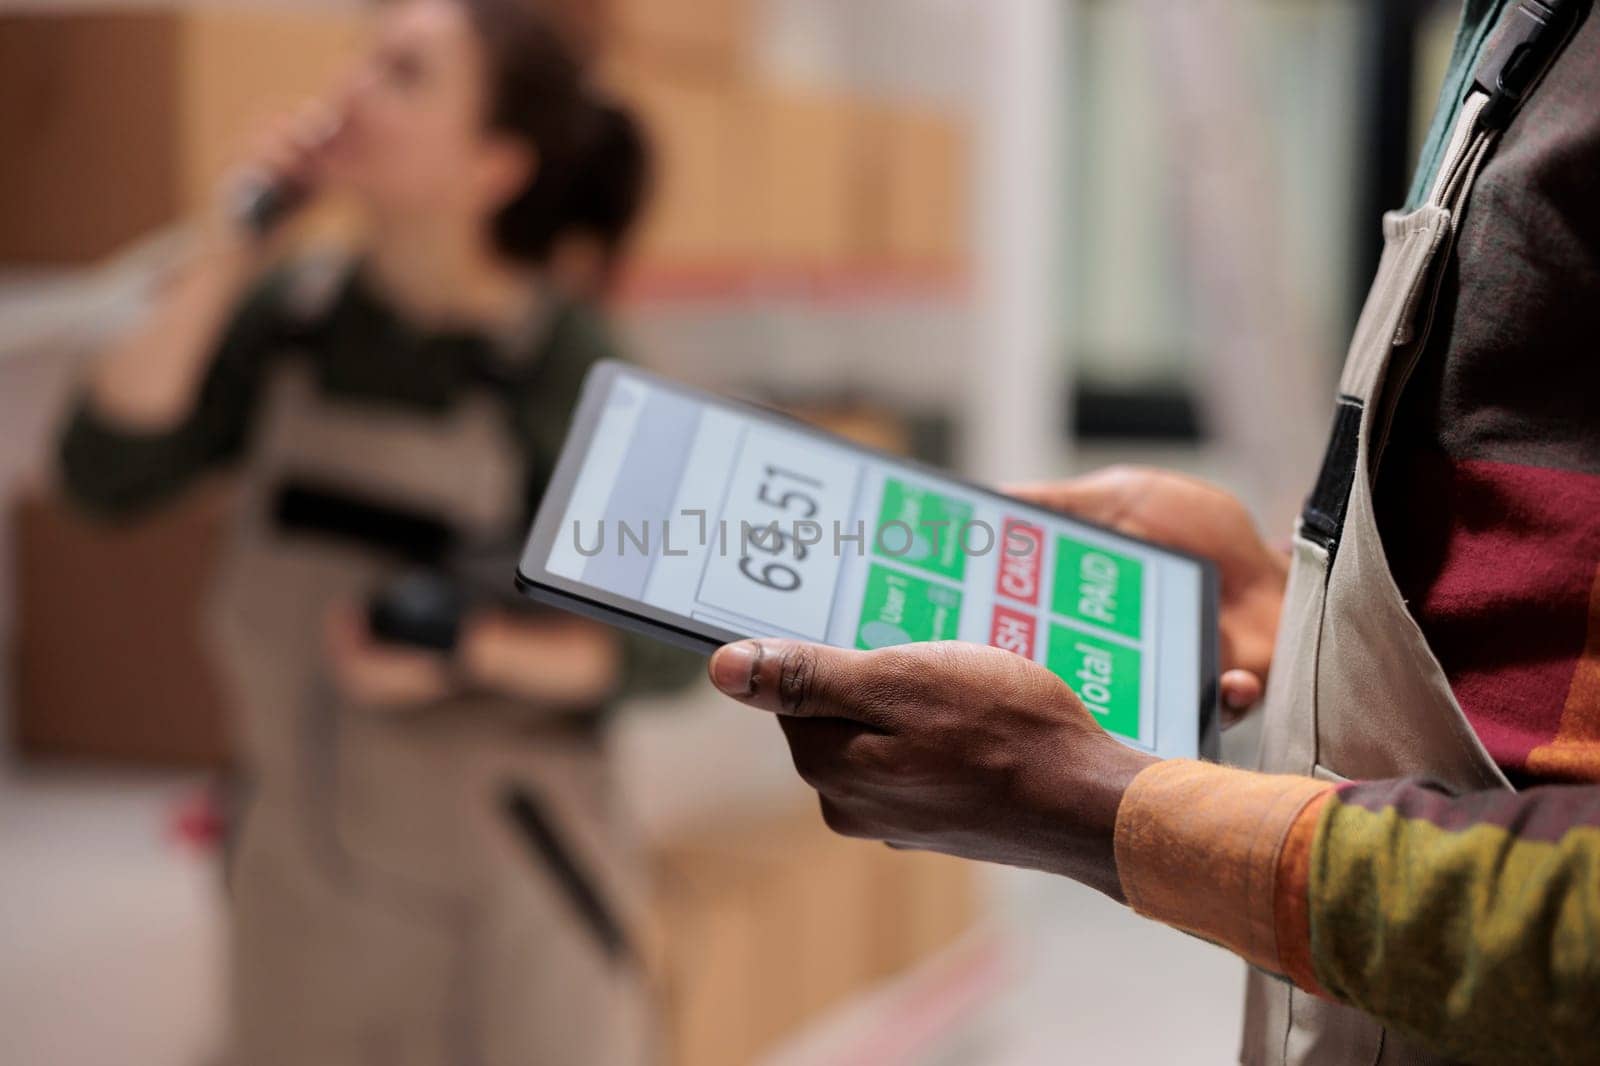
787,677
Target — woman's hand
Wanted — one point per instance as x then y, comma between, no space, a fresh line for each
1199,518
958,748
286,157
560,664
379,676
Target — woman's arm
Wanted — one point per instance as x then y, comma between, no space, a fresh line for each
579,338
570,663
552,665
174,395
149,381
564,663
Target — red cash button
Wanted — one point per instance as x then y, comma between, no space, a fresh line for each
1013,631
1021,561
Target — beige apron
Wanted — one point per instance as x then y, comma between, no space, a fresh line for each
1355,691
387,909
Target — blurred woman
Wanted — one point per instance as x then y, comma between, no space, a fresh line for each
430,868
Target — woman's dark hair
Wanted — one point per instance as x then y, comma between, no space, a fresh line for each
612,184
536,93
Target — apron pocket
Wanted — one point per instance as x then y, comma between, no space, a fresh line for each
549,849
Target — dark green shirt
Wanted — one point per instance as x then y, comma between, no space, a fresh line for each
362,353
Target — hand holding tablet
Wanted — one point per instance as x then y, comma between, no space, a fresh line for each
705,521
968,750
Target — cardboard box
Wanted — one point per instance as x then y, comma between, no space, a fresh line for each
711,931
931,902
766,879
746,175
914,190
87,109
805,170
693,36
874,427
242,68
764,926
108,649
120,122
825,893
704,205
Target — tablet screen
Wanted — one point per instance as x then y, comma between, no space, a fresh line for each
752,526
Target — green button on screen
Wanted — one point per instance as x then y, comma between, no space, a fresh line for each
900,609
1104,674
1098,588
922,529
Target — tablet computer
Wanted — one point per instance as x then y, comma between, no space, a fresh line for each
702,520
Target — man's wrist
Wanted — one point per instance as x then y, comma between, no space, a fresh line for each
1122,772
1082,801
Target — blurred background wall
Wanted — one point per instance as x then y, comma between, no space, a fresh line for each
1016,237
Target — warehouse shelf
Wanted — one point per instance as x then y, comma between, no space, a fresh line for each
843,283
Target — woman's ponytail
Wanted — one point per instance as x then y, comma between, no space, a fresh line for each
593,161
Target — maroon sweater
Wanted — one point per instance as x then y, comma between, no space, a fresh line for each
1489,495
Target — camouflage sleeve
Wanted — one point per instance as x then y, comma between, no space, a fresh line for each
1471,922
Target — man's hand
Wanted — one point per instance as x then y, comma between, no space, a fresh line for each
948,747
1201,519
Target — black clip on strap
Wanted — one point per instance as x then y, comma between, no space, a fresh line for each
1525,47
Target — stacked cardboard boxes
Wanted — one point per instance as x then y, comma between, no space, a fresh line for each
704,202
913,194
108,651
757,175
118,122
762,927
765,176
804,162
122,121
706,36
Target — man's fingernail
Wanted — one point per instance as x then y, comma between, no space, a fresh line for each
733,668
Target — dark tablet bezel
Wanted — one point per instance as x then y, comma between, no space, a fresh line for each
536,582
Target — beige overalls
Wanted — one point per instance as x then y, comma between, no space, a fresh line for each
389,908
1355,691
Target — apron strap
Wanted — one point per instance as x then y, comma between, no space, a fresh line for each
1526,44
1529,40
